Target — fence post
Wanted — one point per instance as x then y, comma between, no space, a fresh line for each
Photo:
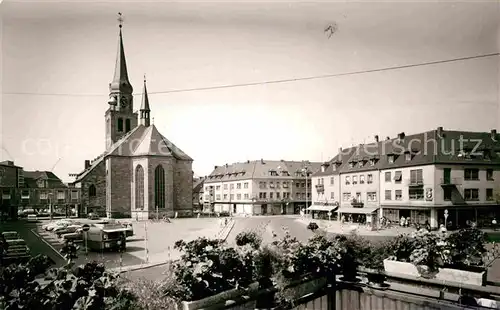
331,291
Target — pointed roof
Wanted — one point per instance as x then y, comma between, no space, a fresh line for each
153,143
120,80
145,99
140,141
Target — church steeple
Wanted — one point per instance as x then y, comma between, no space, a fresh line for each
120,117
145,111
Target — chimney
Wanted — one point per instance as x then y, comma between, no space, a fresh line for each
388,138
215,167
262,161
440,131
494,134
401,136
227,165
248,161
323,167
376,138
87,164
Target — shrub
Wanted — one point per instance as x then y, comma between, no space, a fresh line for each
467,247
249,237
312,226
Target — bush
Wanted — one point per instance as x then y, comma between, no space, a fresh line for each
312,226
251,238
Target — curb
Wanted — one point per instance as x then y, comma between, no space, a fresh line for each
138,267
45,241
224,233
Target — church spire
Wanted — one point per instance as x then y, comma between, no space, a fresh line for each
145,111
120,83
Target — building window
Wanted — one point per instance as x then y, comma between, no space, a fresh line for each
74,195
231,197
271,195
278,195
139,187
303,184
346,196
225,196
246,196
416,176
120,125
92,191
398,194
238,196
225,186
407,156
362,179
238,185
371,196
160,187
217,188
388,195
347,180
245,185
127,125
370,179
354,179
471,194
416,193
372,162
285,184
489,194
390,158
351,164
447,194
61,195
331,180
398,175
388,176
231,186
217,196
271,184
262,185
360,164
262,195
332,195
471,174
489,174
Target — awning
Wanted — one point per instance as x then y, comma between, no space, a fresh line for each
322,208
358,210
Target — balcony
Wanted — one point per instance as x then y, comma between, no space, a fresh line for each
415,182
450,181
320,188
356,203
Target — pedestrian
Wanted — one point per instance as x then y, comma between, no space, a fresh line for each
494,224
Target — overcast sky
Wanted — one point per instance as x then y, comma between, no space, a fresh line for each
54,50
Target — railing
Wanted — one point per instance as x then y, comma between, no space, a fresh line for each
398,292
414,182
450,181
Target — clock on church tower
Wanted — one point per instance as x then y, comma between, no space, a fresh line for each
123,102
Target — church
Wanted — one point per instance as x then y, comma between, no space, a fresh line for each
141,173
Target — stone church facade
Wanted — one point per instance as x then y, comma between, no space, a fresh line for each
141,173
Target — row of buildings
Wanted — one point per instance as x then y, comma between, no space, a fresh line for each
39,190
430,177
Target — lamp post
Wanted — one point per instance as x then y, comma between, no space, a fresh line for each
305,171
50,205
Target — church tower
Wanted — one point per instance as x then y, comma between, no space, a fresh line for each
145,111
120,116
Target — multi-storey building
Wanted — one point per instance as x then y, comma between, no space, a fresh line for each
43,190
198,193
260,187
433,177
11,180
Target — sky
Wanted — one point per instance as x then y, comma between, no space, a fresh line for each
58,59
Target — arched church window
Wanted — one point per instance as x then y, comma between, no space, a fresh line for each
127,125
159,187
139,187
120,124
92,191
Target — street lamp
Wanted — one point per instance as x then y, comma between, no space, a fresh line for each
50,205
305,170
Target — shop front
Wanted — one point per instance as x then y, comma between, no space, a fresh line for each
364,216
323,210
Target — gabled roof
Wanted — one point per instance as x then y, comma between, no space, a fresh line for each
279,169
430,147
140,141
30,178
198,185
339,161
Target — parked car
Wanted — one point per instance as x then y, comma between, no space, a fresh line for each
61,230
10,235
24,213
75,236
59,223
17,249
93,216
32,218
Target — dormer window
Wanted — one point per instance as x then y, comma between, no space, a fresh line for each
360,164
408,156
351,164
273,173
486,154
390,158
372,162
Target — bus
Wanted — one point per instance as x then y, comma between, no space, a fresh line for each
106,237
